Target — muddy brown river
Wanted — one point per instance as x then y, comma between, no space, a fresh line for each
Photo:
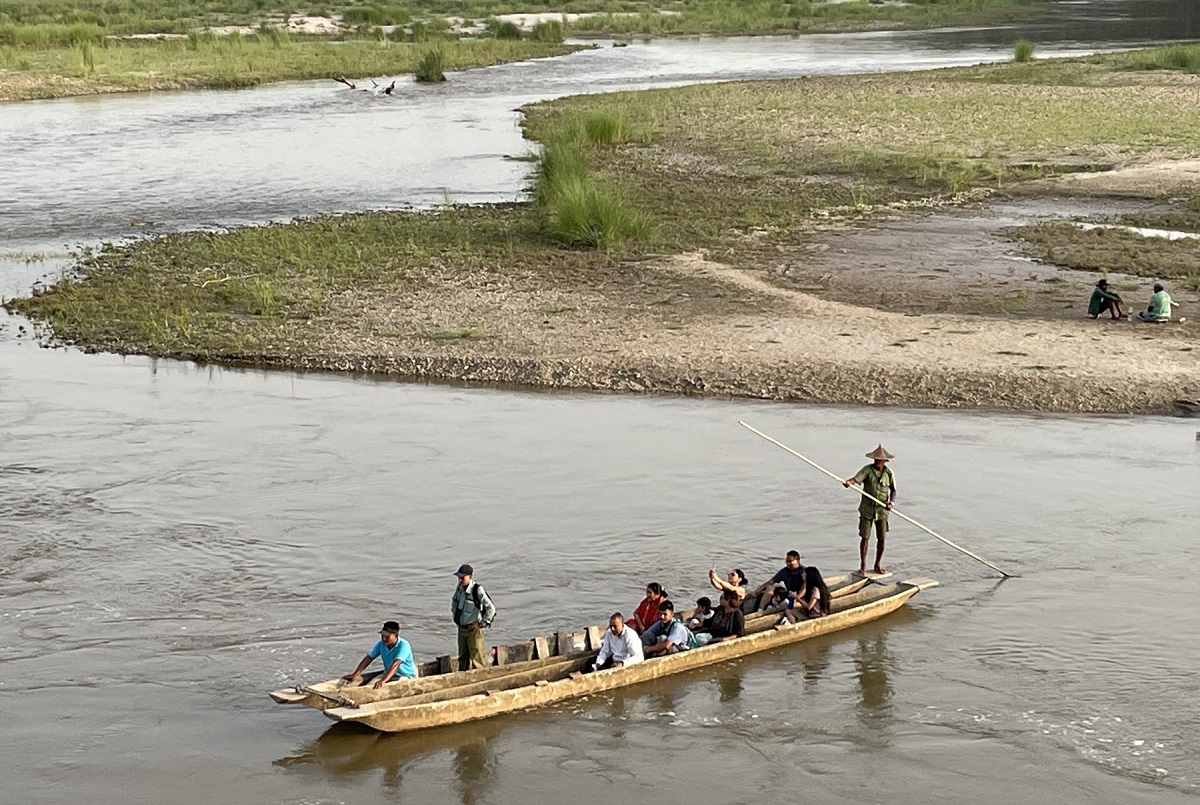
177,540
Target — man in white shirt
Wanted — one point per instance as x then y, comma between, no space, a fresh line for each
621,645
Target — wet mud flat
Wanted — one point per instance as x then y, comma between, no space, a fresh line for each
801,247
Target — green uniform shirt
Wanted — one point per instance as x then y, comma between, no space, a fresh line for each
1096,303
878,485
1160,304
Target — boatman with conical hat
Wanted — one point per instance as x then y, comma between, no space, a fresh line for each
877,481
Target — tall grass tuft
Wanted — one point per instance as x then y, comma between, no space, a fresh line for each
421,32
1023,51
87,56
549,31
431,69
504,30
277,37
583,214
577,211
605,128
559,163
1179,57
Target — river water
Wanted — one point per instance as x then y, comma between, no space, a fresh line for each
178,540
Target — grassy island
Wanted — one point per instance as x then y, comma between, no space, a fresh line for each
55,48
838,239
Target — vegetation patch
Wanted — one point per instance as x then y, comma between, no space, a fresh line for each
799,16
233,61
124,17
744,173
1180,216
1112,251
431,68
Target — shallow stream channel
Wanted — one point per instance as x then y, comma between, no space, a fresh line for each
177,540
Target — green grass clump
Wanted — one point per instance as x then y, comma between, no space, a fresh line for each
577,209
549,31
559,163
504,30
1169,57
431,68
605,128
204,60
376,15
582,213
47,35
1023,51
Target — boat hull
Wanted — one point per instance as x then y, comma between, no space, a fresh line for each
402,715
548,655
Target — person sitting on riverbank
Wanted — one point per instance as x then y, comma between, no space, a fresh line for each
394,652
1159,309
815,601
736,582
621,646
726,623
668,636
646,614
791,575
702,614
1104,299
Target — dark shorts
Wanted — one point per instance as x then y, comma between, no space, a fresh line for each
864,528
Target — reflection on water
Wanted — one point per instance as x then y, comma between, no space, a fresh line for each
475,767
873,663
815,659
729,682
349,751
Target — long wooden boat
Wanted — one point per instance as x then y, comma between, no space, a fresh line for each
463,698
546,655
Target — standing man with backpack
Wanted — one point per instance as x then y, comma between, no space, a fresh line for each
473,612
878,482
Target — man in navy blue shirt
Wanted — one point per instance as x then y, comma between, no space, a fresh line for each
394,652
791,575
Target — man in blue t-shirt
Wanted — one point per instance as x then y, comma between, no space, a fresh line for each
394,652
668,636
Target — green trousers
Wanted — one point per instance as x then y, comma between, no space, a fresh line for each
470,649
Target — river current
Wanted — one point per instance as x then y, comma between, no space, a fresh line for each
175,540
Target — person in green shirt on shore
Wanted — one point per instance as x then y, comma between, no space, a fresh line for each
1160,305
1104,299
877,481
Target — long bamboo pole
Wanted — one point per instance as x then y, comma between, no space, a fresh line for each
863,492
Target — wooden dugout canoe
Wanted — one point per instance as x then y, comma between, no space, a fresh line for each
538,687
548,654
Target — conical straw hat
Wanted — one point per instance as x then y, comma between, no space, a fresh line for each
880,453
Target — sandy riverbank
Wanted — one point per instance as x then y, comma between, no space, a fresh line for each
801,245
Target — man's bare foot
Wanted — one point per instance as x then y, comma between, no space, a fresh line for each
879,570
862,571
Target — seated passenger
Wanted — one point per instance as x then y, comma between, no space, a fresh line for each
1103,299
701,614
1160,305
791,575
736,582
727,622
668,636
621,645
646,614
394,652
815,600
783,602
